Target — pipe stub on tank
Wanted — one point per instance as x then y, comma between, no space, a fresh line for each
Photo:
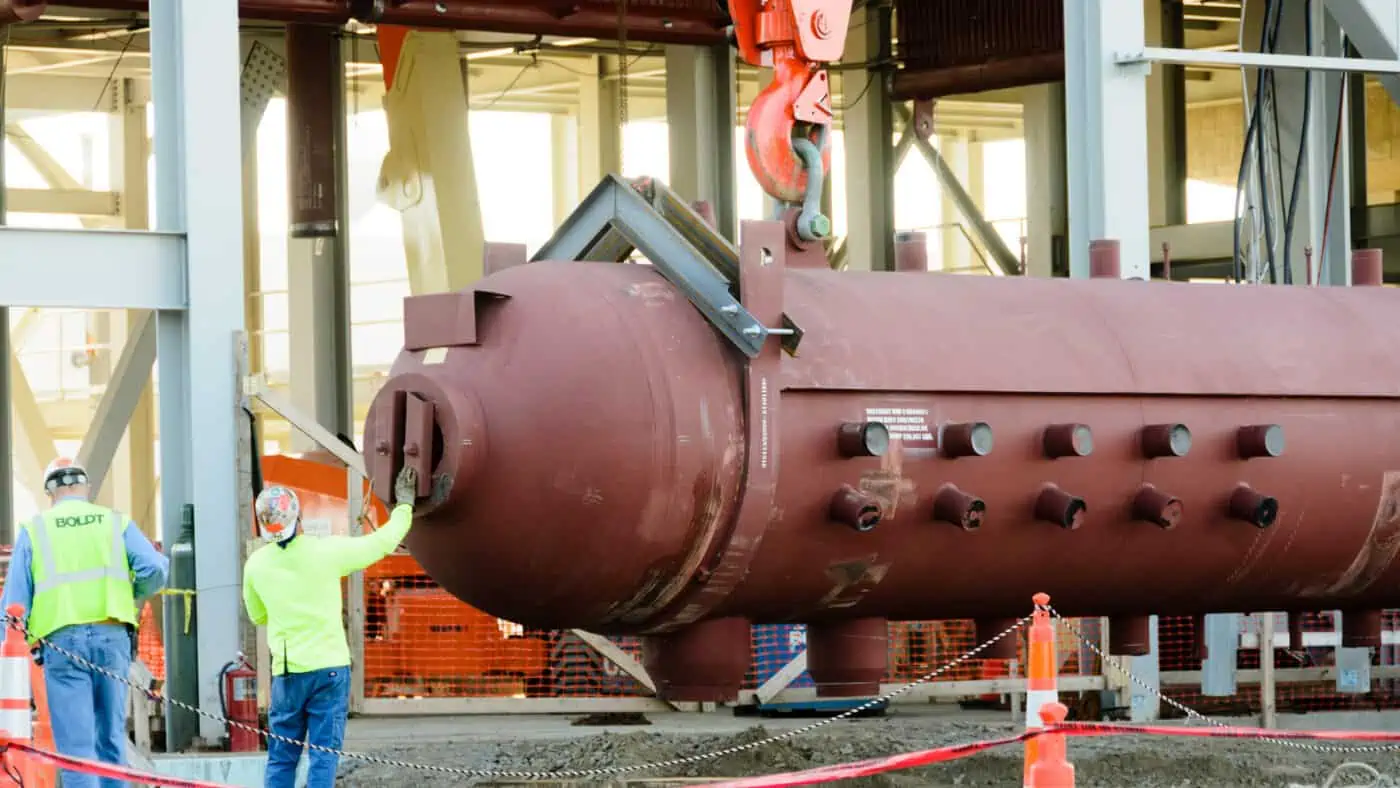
1260,511
863,439
856,509
955,507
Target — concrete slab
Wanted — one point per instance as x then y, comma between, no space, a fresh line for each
243,771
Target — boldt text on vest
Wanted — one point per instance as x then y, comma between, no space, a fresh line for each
78,521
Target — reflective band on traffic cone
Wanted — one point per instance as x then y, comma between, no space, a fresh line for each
15,720
1041,687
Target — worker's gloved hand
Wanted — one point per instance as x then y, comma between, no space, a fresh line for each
406,487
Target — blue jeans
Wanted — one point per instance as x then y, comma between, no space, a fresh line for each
307,707
86,709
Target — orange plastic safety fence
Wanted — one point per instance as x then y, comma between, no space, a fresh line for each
1179,651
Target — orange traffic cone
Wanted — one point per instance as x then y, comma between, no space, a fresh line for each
16,724
40,773
1052,769
1041,685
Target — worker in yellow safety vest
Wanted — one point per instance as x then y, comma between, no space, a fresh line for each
292,586
82,571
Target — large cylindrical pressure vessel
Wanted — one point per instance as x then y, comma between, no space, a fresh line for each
946,445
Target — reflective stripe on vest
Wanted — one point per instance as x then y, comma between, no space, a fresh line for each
114,570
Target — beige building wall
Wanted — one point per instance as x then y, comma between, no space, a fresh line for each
1215,137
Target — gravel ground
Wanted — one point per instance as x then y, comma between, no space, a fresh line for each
1099,763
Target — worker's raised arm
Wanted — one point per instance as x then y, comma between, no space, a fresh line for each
351,554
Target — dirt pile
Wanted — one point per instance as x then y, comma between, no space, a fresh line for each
1099,763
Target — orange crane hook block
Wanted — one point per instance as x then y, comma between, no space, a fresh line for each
789,124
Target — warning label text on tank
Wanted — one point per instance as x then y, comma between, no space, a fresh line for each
909,425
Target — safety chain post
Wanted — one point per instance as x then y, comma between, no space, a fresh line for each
15,622
1042,686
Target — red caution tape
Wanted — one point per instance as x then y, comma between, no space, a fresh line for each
847,771
104,769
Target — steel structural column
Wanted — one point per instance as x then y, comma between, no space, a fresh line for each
1047,208
1106,131
701,114
1326,99
564,152
1373,27
869,127
1166,117
957,251
195,74
318,276
7,453
1332,266
599,125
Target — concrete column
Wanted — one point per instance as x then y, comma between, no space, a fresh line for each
956,254
869,138
565,167
599,129
701,113
1106,132
1166,116
1047,210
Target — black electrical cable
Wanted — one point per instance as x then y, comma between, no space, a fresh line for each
1261,86
223,702
1302,150
1249,136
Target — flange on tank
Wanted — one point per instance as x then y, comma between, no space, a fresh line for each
633,449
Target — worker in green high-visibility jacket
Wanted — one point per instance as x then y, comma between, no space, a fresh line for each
292,585
82,572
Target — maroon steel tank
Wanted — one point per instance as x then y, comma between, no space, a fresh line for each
938,447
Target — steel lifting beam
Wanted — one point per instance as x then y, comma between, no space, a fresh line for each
615,219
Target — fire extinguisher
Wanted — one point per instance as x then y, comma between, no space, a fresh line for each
239,690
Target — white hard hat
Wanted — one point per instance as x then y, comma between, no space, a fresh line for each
278,511
63,472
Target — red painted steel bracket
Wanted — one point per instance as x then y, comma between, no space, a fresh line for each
762,248
444,319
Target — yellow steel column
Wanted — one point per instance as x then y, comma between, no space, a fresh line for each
428,175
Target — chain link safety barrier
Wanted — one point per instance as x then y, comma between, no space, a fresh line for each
528,775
